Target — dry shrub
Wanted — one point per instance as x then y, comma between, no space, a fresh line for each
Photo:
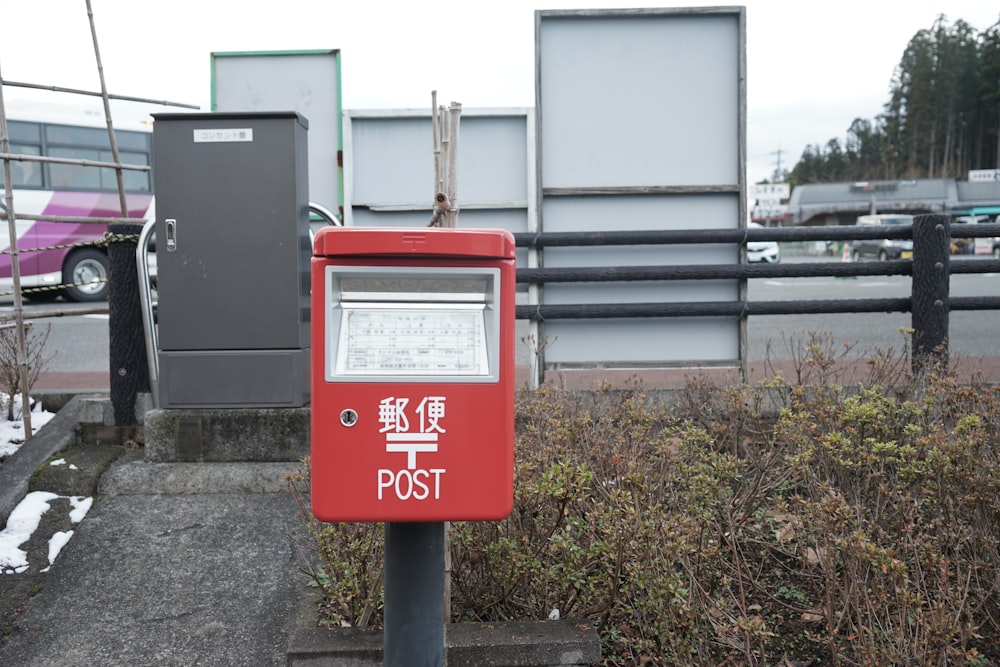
13,373
784,523
344,560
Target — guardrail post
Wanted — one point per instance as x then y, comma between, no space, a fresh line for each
127,344
929,296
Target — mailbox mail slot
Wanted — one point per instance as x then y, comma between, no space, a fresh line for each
413,397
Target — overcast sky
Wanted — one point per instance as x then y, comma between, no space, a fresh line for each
812,67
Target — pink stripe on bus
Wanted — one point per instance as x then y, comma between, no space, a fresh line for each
96,204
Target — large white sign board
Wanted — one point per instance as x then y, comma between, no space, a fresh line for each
641,126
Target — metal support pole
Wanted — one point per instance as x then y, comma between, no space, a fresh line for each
414,602
126,341
931,272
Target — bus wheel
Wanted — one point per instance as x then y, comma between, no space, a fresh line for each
86,273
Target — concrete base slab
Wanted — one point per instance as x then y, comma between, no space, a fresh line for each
227,434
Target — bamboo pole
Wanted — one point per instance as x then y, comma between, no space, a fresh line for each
436,129
91,93
446,149
122,201
454,116
441,204
43,314
15,267
444,125
77,220
21,157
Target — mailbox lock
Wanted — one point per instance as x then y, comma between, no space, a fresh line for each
348,417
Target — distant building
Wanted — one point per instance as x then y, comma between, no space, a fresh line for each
842,203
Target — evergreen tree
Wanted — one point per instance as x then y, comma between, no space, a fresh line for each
941,120
987,136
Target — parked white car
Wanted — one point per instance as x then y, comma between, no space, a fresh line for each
762,251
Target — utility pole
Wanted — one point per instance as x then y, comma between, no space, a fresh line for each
778,175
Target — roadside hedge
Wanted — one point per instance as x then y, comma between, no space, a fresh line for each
788,523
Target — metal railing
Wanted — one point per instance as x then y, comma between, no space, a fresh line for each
930,270
147,306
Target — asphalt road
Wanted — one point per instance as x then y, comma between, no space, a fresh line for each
75,343
971,333
79,342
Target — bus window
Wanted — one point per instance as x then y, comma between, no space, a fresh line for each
74,176
135,181
21,132
24,174
59,135
25,139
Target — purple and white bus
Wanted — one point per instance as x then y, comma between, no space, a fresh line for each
49,252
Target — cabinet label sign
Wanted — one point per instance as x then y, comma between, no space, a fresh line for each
223,135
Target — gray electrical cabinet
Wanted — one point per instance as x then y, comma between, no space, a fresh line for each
233,251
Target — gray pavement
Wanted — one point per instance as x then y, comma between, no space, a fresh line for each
183,563
206,579
175,564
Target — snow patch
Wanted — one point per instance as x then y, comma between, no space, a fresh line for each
24,521
12,433
81,506
57,542
21,523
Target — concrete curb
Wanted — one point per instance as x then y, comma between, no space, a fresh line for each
510,644
54,437
133,476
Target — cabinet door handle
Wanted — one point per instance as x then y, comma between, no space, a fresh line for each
171,235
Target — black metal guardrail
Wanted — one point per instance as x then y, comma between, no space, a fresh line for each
929,302
930,269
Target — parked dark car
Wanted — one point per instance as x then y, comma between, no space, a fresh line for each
883,249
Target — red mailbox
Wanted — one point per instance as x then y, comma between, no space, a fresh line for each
412,374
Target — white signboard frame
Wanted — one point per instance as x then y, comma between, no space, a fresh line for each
641,121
